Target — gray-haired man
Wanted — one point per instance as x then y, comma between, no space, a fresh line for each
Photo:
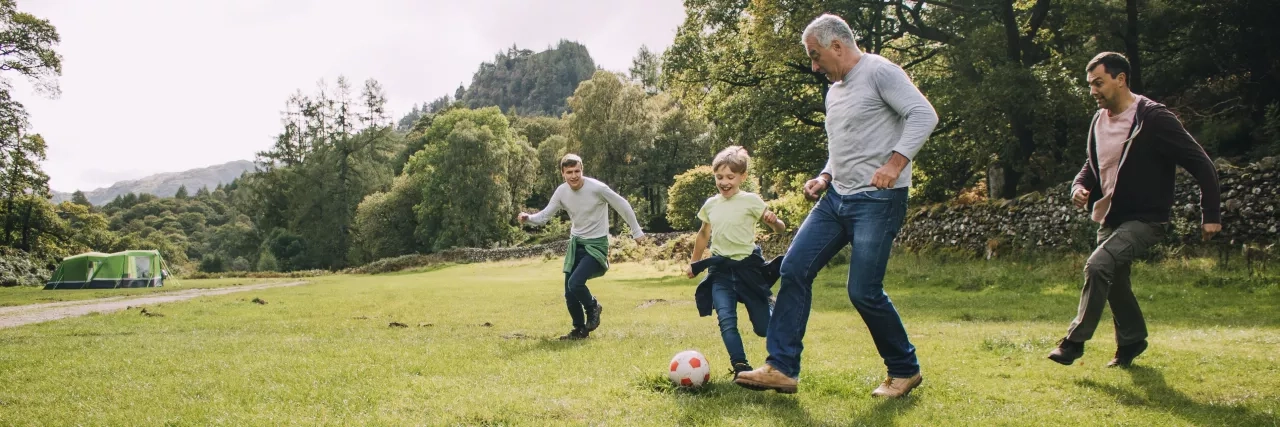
876,122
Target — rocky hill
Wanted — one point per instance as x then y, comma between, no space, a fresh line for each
166,184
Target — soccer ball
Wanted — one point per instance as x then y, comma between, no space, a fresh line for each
689,369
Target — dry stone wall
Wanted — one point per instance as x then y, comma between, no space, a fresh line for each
1250,214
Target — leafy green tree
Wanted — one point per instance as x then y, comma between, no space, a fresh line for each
469,186
385,222
611,125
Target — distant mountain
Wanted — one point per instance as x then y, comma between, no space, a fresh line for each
166,184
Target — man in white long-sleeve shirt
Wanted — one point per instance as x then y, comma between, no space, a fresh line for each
587,200
876,122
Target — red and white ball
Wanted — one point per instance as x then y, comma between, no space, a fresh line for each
689,369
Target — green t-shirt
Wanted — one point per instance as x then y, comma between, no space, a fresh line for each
733,223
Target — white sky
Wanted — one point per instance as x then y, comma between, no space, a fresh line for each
153,86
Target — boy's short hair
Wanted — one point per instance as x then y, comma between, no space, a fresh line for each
735,157
570,160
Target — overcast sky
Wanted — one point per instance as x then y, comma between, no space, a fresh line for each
154,86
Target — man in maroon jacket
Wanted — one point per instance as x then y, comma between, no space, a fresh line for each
1134,148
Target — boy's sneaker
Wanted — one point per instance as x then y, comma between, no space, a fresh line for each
1067,352
593,317
1126,353
576,334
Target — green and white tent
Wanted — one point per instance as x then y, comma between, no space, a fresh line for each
96,270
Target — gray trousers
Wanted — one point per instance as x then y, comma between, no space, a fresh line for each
1107,280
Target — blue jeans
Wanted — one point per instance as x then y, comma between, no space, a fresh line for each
724,297
576,295
869,221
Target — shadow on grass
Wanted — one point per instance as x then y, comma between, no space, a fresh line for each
518,347
1155,393
722,400
1006,292
661,282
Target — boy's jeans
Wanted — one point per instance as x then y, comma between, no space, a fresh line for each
576,295
724,297
870,221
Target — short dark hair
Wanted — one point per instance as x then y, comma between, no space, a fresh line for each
1114,62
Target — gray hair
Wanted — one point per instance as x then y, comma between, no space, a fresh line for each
827,28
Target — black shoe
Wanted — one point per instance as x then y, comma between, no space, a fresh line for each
1126,353
1067,352
576,334
593,317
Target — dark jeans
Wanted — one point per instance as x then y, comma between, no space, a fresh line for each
576,295
725,297
869,221
1107,280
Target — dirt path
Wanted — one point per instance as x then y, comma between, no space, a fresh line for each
36,313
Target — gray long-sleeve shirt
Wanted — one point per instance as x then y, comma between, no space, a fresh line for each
588,209
874,111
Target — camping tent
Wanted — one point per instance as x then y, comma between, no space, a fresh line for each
95,270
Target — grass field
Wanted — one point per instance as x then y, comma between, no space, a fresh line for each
478,348
24,295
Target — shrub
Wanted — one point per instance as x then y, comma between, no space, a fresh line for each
690,191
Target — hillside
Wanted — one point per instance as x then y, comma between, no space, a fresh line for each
531,83
166,184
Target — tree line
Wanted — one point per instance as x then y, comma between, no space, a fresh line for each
345,184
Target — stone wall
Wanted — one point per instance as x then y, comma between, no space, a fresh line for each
1250,214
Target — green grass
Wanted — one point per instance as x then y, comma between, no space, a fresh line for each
323,353
23,295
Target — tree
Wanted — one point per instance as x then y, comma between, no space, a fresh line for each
646,70
79,198
27,47
181,193
332,152
384,223
610,126
681,140
995,71
472,170
23,176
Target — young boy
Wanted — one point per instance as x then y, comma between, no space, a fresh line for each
587,201
738,271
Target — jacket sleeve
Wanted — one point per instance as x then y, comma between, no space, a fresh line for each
1182,149
1085,179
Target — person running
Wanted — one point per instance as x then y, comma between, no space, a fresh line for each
737,272
587,200
877,120
1134,147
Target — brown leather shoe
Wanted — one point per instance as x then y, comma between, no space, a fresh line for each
766,378
1126,353
1067,352
897,387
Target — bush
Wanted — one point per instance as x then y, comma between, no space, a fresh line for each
388,265
19,269
690,191
239,264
